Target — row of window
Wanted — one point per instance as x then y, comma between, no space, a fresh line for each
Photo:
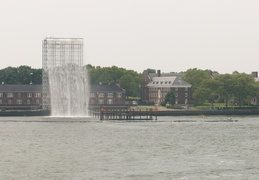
102,95
166,89
164,94
162,82
19,101
101,101
19,95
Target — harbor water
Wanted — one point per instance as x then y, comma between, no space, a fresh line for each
178,148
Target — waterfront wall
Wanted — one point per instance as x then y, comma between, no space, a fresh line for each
207,112
158,113
25,113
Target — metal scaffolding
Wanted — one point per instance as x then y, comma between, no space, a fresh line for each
57,52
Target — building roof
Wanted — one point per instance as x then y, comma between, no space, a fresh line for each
20,88
168,81
38,88
105,88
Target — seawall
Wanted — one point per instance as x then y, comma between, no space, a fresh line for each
158,113
207,112
25,113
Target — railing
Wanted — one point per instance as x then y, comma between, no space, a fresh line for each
123,114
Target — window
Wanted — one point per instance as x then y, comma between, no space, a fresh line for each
186,94
110,101
37,101
186,101
101,101
19,101
28,101
119,95
110,95
176,89
9,101
176,94
19,95
9,95
1,95
92,95
29,95
176,101
101,95
37,95
186,89
92,101
1,102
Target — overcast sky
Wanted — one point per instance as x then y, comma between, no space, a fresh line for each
170,35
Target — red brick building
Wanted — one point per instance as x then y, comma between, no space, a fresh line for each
156,85
20,96
107,95
30,96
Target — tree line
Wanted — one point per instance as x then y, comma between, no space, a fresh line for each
237,88
20,75
127,79
207,86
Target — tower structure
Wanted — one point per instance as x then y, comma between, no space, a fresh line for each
62,63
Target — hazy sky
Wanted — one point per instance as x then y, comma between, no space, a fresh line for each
170,35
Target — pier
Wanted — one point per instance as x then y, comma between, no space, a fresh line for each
123,114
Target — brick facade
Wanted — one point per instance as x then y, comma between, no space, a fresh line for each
107,95
20,96
30,96
156,86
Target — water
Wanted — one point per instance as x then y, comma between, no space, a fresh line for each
47,148
65,81
69,90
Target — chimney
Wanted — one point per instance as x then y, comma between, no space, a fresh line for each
255,74
158,73
145,72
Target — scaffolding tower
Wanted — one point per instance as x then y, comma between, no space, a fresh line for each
57,52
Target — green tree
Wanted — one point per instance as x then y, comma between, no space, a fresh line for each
226,88
126,79
195,77
243,87
208,91
256,91
9,75
170,98
151,70
21,75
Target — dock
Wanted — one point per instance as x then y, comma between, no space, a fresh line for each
124,114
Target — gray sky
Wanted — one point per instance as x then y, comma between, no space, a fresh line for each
171,35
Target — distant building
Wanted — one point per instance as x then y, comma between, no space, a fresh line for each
110,95
14,96
156,85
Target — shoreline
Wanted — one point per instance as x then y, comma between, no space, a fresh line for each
184,112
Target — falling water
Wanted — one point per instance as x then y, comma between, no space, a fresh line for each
65,82
68,90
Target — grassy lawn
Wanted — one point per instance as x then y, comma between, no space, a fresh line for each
223,105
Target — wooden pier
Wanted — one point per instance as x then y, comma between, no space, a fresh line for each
123,114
